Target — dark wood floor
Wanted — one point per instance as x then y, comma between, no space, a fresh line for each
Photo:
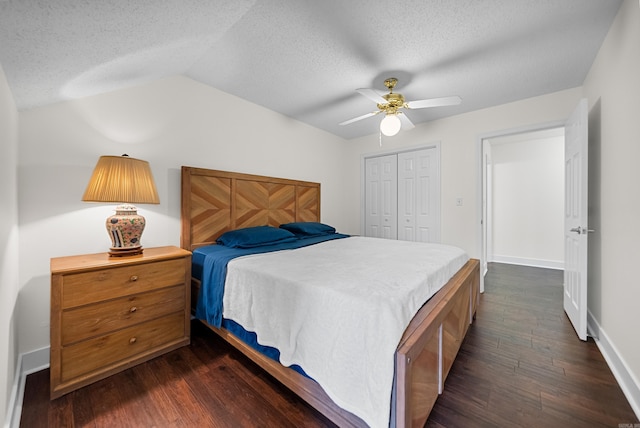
521,364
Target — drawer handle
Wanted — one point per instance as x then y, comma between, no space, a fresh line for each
133,278
133,309
132,340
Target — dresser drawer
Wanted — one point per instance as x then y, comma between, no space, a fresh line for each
100,318
101,352
88,287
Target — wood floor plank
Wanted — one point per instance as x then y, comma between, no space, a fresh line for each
521,364
167,409
83,415
61,414
36,400
268,404
203,399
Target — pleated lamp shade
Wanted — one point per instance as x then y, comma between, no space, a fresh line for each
121,179
125,180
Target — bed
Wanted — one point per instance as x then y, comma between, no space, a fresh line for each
215,202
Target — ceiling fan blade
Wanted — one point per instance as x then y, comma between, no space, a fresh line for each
372,94
406,123
355,119
435,102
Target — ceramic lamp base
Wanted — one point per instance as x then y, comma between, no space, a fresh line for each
125,228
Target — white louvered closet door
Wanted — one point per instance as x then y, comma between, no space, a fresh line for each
381,203
402,196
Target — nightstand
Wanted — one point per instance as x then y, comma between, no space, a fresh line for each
111,313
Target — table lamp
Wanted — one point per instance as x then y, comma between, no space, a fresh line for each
128,181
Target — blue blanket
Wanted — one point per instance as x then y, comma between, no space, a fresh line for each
210,265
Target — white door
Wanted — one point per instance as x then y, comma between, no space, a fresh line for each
418,195
381,204
575,221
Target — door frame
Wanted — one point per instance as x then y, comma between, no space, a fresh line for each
363,157
482,180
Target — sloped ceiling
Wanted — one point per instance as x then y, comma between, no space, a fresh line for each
305,58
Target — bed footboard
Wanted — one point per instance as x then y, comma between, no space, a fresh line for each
430,344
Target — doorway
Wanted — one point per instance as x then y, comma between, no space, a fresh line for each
522,188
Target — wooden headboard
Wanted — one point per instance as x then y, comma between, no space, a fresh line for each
214,202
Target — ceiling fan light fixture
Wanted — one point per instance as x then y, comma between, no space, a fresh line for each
390,125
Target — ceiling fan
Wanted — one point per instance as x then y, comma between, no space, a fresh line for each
391,105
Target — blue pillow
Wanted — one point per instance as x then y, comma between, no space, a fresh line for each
251,237
309,228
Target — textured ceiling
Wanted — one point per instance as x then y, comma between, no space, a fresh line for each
305,59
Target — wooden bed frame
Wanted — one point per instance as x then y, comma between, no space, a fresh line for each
214,202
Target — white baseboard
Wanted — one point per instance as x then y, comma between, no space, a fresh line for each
628,383
548,264
28,363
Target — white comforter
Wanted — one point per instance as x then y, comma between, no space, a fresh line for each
338,309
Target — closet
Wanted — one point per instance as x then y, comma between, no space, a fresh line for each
402,195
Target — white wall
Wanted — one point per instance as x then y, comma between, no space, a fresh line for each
460,157
613,89
8,243
528,201
170,123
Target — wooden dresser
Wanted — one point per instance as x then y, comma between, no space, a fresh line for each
111,313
